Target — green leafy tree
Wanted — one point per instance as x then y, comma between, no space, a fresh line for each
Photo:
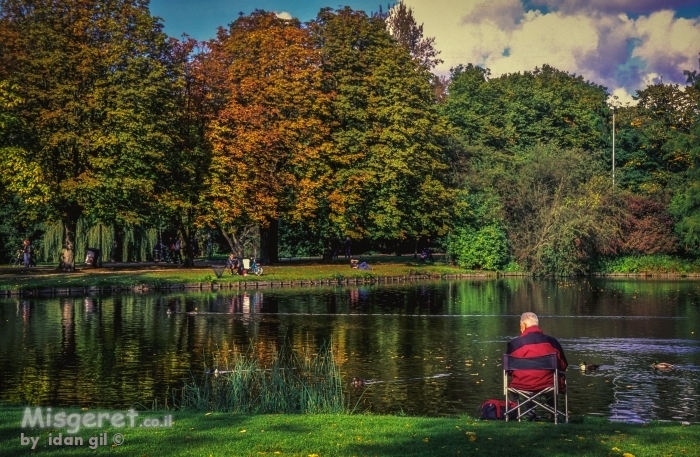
183,184
96,94
560,212
647,160
478,239
518,111
557,208
686,202
385,177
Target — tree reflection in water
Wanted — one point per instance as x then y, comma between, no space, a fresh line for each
113,351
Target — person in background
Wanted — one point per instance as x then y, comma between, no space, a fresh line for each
347,245
232,264
27,250
177,250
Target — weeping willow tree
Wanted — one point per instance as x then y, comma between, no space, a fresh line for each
52,242
137,245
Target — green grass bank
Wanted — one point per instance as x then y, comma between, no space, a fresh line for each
158,275
217,434
650,264
152,275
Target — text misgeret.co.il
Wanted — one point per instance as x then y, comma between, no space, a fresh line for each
74,422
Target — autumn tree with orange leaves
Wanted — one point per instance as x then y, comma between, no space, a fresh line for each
267,132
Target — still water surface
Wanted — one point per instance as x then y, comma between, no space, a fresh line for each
117,351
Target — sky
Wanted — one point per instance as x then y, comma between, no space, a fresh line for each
624,45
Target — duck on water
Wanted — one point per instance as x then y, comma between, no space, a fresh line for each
590,367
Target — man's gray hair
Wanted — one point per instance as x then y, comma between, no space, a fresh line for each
529,319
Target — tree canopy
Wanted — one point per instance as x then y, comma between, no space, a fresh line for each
94,89
388,171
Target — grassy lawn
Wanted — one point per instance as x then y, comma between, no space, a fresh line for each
150,274
197,434
650,264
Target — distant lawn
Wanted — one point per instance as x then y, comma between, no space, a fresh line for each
197,434
162,274
150,274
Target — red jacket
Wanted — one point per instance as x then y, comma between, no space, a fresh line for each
534,343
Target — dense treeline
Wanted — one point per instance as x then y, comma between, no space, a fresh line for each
297,135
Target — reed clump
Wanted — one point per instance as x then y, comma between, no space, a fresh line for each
291,382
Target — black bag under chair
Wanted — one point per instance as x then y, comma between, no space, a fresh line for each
526,402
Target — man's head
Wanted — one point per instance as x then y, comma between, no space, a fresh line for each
528,320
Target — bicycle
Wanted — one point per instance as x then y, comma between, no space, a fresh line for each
255,268
18,259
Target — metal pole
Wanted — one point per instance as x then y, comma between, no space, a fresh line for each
613,151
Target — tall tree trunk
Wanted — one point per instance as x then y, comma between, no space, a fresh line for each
328,249
269,242
398,248
70,225
117,254
189,249
188,234
234,243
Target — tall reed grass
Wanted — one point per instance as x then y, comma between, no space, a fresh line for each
293,382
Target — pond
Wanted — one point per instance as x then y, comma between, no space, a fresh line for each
435,347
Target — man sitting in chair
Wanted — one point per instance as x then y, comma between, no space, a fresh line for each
532,342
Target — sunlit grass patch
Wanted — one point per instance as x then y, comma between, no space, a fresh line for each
159,276
199,433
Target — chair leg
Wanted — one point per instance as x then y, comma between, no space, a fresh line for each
556,397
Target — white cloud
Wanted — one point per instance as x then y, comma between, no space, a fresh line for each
620,97
600,42
503,13
612,6
651,78
547,38
669,45
284,15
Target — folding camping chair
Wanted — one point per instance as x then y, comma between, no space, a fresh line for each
527,401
